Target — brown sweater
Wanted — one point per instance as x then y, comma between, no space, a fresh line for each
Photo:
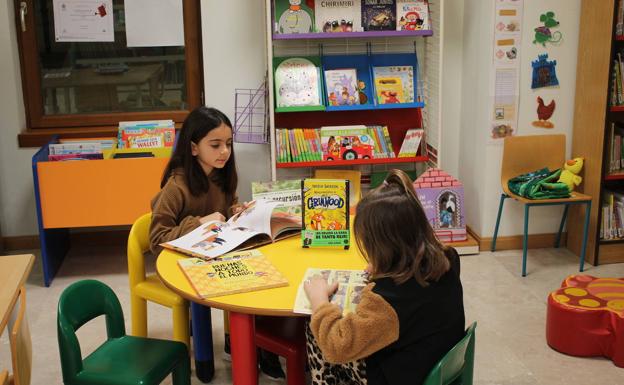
175,211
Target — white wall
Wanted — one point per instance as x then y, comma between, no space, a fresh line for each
481,160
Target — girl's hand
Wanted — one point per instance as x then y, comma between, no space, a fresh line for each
238,208
318,291
216,216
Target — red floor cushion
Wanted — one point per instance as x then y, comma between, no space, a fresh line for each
585,317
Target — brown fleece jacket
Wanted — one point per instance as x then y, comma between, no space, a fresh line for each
176,212
373,326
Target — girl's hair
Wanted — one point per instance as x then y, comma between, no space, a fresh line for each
394,235
196,126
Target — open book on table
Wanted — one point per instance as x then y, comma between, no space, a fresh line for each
258,224
350,286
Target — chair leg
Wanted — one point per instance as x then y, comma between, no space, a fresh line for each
181,323
563,219
585,233
181,374
525,240
498,217
138,310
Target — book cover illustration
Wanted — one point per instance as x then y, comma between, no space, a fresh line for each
338,16
146,134
412,15
411,142
347,297
232,273
346,143
287,192
389,90
293,16
325,213
342,88
404,73
257,224
379,15
297,83
353,176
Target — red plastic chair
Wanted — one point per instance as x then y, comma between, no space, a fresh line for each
285,337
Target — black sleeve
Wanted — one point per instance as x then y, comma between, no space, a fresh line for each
453,257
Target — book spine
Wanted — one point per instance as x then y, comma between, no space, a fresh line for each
293,146
391,153
382,142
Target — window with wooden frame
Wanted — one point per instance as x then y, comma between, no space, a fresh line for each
84,89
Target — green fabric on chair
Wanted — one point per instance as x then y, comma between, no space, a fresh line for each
457,366
121,359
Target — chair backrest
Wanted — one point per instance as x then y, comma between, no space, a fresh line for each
458,362
4,377
522,154
81,302
138,243
21,344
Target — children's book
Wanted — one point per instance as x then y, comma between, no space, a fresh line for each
338,16
353,176
232,273
405,73
389,90
146,134
347,297
293,17
341,85
412,15
325,212
287,192
258,224
297,83
379,15
411,142
346,143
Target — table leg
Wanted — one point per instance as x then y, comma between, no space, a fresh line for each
243,345
202,342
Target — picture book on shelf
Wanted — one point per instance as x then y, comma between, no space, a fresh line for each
325,212
347,297
258,224
411,142
338,16
412,15
297,83
293,17
379,15
404,73
287,192
346,143
146,134
389,90
232,273
342,88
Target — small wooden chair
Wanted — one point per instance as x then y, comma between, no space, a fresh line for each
21,344
524,154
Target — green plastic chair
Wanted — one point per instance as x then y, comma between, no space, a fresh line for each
457,366
121,359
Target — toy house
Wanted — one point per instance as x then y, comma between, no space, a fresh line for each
442,197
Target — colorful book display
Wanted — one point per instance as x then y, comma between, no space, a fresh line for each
297,83
411,143
442,198
338,16
379,15
293,16
146,134
394,84
287,192
346,143
232,273
325,213
412,15
341,86
347,297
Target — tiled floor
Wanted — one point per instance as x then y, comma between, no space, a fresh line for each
509,309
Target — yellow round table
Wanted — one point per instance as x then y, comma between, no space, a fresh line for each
292,261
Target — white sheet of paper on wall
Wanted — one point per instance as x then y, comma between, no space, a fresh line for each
152,23
83,20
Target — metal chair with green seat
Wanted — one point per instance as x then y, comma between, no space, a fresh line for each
457,366
121,359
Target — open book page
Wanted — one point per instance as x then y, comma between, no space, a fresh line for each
267,217
350,286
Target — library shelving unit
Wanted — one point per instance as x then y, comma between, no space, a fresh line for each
362,51
90,193
593,116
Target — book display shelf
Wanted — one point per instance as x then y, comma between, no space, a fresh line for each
597,117
361,52
90,193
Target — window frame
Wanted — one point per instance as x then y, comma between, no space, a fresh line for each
40,127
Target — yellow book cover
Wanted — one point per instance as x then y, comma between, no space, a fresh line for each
389,90
231,274
354,178
325,212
